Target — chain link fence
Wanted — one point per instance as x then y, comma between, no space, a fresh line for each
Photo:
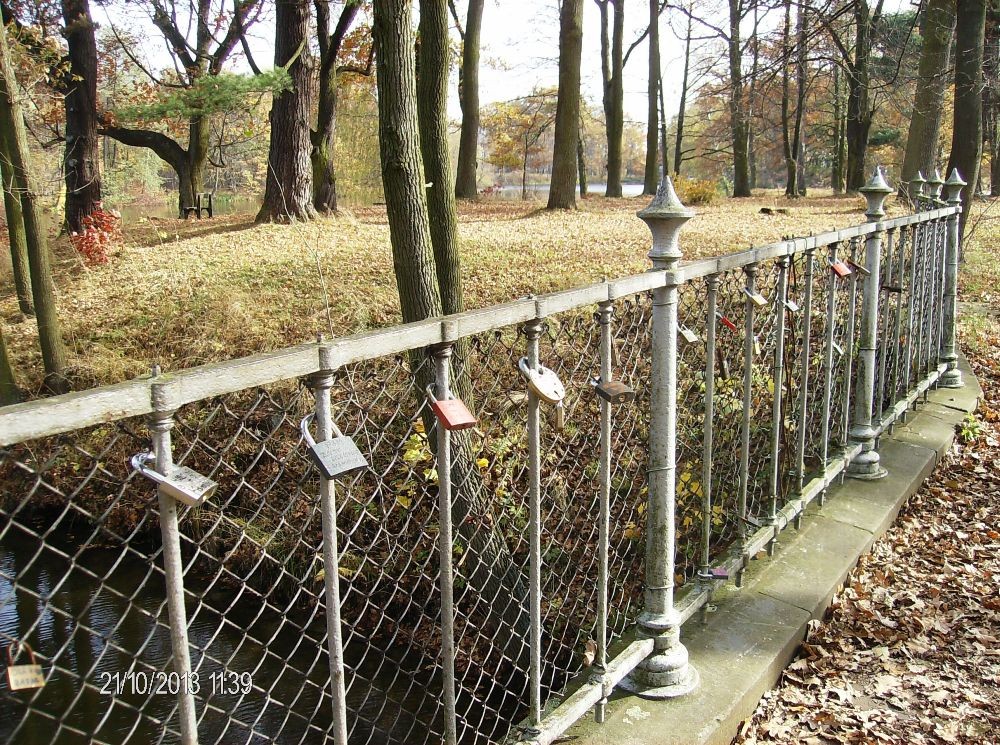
767,357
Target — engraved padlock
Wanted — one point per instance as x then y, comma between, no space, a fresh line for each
22,677
546,385
612,391
335,457
755,297
181,483
688,335
451,413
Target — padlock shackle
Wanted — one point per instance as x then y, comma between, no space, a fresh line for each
522,365
430,394
138,462
19,645
304,428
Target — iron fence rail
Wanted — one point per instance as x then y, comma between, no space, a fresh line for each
469,586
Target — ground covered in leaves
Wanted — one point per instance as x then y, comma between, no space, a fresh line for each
184,293
910,651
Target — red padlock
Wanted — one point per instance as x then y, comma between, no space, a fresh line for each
453,414
840,269
726,322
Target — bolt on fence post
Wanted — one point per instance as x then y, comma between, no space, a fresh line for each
952,377
532,332
442,359
321,382
705,570
748,355
667,672
866,464
161,422
604,518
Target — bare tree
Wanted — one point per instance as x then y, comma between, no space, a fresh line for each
565,150
466,186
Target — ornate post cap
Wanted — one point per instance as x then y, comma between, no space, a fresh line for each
917,185
665,216
876,191
934,184
953,188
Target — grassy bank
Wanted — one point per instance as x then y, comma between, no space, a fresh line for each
184,293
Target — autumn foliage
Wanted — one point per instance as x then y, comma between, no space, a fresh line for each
101,232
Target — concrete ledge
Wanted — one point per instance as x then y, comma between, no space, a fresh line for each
743,647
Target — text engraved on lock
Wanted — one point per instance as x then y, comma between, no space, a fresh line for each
188,486
453,414
22,677
337,457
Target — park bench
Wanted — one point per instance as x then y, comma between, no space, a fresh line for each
202,203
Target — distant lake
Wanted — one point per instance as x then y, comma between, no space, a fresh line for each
541,191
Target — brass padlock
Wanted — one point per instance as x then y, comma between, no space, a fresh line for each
613,391
546,385
840,269
755,297
337,456
451,413
182,483
22,677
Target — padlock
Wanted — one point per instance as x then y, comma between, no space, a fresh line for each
613,391
792,305
894,289
688,335
182,483
756,346
546,385
759,300
724,320
838,349
335,457
451,413
840,269
21,677
860,269
723,364
720,573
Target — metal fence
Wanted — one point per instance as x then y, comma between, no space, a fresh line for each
468,586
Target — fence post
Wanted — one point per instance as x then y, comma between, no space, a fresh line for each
321,383
934,184
161,422
952,377
667,672
866,464
917,190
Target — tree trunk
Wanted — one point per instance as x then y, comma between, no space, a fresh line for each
967,138
753,96
562,190
15,234
611,71
42,287
651,174
581,164
786,124
466,186
193,181
737,106
492,573
679,139
81,160
928,99
839,152
859,110
432,110
324,168
288,195
991,94
9,392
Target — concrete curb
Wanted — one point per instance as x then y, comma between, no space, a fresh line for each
743,648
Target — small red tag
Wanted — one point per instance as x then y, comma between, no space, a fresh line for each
727,323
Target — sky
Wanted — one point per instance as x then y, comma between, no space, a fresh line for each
519,51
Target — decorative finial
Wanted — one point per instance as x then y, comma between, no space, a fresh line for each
953,188
875,192
935,182
665,215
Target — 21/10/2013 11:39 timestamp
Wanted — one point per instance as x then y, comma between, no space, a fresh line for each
159,683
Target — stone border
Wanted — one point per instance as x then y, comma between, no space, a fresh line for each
744,646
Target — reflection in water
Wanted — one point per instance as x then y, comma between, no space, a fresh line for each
102,613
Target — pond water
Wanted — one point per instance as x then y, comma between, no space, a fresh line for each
92,612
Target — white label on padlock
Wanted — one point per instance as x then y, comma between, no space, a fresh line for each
20,677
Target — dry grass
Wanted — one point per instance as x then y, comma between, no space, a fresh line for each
180,294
